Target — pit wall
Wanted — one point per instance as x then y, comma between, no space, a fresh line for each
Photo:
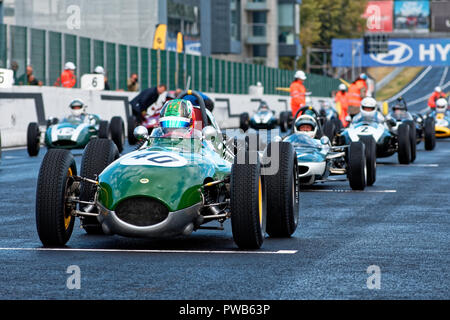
21,105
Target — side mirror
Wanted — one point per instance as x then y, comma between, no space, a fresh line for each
210,133
324,140
140,133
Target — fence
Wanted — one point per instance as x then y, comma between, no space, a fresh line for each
47,51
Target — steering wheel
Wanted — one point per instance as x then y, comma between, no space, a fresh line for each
201,103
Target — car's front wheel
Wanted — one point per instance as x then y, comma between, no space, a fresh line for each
33,139
357,166
55,185
430,134
371,158
282,189
118,132
248,205
404,144
131,125
244,121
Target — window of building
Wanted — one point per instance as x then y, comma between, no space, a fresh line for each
235,20
183,18
286,23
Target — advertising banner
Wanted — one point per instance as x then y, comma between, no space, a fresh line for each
402,53
412,16
440,16
379,15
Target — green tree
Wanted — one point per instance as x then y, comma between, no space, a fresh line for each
323,20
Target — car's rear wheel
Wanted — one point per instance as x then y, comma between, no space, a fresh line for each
33,139
103,130
284,121
430,134
97,155
131,125
244,121
118,132
329,129
53,213
413,138
404,144
248,205
371,158
282,189
356,167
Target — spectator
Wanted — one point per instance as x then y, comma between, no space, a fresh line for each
133,83
144,100
342,98
100,70
356,93
18,81
67,78
298,92
31,79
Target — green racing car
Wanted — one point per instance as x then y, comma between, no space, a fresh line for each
181,177
75,131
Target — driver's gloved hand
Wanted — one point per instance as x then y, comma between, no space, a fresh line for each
391,122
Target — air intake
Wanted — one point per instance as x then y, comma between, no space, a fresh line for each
142,211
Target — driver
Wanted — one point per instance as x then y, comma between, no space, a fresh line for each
77,108
368,112
441,106
263,106
177,119
307,125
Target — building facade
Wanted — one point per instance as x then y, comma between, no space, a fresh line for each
251,31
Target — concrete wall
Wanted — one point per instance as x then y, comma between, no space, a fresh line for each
21,105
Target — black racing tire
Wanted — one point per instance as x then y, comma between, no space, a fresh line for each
244,121
131,125
118,132
284,121
33,139
404,144
282,190
329,129
248,205
371,158
97,155
429,134
104,130
338,124
356,166
54,221
413,139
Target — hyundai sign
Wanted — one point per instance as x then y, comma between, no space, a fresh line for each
402,53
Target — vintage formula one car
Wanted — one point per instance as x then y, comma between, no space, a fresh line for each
424,128
74,133
441,115
318,160
388,137
263,118
170,187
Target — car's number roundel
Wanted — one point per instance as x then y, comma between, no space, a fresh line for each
155,158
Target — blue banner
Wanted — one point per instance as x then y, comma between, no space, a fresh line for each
402,53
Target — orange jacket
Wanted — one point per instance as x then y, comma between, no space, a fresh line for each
434,97
298,96
356,92
342,98
67,79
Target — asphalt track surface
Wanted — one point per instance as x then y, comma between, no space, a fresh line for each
401,225
420,89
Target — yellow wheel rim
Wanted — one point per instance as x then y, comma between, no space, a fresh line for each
260,208
67,216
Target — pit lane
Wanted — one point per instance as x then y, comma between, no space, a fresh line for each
406,233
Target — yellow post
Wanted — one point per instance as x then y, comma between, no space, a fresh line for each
385,108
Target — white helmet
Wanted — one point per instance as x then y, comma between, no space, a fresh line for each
99,70
368,107
363,76
69,66
300,75
342,87
306,120
441,105
77,107
438,89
